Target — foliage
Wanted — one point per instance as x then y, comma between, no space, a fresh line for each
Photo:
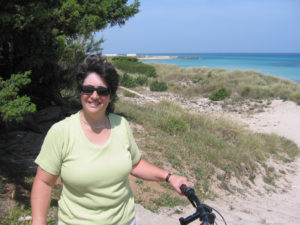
13,106
132,65
219,95
74,52
43,36
129,81
158,86
124,58
141,80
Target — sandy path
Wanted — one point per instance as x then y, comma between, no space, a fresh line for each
282,118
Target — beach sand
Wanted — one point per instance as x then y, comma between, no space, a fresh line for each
259,206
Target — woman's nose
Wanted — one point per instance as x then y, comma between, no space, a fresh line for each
95,94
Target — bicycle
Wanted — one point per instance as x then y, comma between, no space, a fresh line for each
203,211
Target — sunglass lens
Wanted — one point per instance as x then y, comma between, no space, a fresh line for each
87,89
103,91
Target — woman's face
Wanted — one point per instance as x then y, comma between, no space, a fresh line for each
93,103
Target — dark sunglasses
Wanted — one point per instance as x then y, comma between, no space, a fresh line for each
101,91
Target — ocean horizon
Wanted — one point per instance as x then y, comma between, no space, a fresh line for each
283,65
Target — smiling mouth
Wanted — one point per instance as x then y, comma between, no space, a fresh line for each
94,104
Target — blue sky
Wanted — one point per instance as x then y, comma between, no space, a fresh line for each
197,26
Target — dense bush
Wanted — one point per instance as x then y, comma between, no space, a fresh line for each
158,86
132,65
151,73
13,106
124,58
219,95
141,80
127,81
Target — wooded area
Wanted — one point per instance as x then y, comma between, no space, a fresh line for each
42,42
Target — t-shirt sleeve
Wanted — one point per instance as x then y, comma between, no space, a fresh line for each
134,149
50,156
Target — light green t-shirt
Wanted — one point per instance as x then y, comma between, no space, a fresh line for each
95,178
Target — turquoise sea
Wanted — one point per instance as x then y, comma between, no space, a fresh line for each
284,65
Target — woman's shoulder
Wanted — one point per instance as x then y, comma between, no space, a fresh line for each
66,123
118,121
117,118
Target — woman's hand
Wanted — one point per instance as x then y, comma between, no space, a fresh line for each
147,171
176,181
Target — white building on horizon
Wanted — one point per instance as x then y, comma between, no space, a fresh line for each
110,55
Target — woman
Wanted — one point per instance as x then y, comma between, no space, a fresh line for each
94,152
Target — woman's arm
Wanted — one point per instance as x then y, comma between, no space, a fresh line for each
41,196
147,171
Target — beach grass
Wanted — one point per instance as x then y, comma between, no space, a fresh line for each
203,81
204,148
192,82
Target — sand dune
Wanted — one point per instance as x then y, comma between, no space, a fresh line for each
258,207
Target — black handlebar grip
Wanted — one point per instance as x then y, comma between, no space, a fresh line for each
183,188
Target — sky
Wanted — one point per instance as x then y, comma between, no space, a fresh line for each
207,26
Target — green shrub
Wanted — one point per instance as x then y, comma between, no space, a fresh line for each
127,81
124,58
151,73
209,75
219,95
141,80
132,65
158,86
13,106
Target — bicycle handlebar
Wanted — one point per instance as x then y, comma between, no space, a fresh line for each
203,212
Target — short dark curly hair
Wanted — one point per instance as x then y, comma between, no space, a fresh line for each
98,64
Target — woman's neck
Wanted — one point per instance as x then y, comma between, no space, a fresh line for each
94,121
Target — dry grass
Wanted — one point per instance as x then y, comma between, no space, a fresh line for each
193,82
199,145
